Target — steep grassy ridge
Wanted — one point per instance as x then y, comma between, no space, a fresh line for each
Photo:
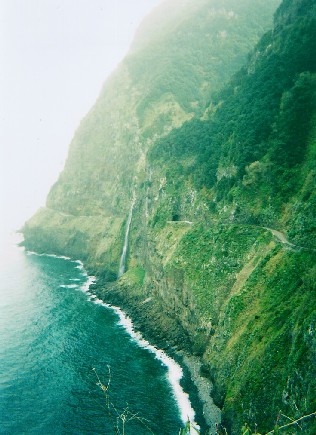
183,52
221,258
247,166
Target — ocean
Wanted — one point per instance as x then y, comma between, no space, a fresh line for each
70,364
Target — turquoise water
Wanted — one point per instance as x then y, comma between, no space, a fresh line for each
52,335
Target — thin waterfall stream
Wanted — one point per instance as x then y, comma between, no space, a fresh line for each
55,330
122,267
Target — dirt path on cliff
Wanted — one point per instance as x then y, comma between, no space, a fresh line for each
279,235
283,239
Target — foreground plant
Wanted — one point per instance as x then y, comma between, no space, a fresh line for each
189,429
246,430
118,418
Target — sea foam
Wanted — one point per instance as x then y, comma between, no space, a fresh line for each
175,372
90,280
69,286
63,257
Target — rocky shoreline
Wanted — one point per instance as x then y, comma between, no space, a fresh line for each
163,332
211,412
166,334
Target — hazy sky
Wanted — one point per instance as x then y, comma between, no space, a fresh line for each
54,57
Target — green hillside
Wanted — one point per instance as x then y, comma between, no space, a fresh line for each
254,150
210,125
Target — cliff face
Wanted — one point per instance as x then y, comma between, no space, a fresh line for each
192,49
221,254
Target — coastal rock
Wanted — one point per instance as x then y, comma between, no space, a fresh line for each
220,153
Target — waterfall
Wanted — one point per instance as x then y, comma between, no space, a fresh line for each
124,252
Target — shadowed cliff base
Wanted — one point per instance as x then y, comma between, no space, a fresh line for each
220,151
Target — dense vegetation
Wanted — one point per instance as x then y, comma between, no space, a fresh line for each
258,134
195,58
221,258
163,82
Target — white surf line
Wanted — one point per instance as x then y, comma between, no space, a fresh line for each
175,372
62,257
79,266
89,278
86,286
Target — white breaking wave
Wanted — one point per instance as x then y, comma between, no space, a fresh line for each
69,286
175,372
80,266
90,280
62,257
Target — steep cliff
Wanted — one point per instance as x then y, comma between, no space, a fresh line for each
192,49
221,165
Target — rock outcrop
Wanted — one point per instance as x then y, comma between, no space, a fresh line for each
219,151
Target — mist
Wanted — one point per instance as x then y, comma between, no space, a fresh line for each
55,56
